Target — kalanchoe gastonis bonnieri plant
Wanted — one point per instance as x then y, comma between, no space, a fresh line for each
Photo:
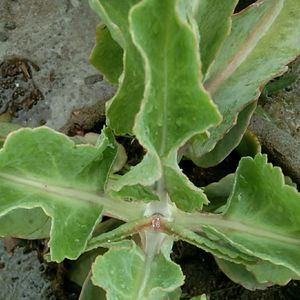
189,75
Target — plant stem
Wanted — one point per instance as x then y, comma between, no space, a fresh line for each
153,243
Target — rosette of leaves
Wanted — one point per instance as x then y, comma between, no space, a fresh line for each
189,74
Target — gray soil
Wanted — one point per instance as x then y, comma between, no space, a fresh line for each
280,134
57,37
22,276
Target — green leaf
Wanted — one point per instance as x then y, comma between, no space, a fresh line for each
114,14
107,55
125,274
227,144
256,276
263,215
136,192
279,84
249,145
78,270
174,99
181,191
108,239
6,128
260,220
214,20
144,174
239,274
90,291
25,224
42,168
201,297
208,242
218,193
266,29
170,113
265,271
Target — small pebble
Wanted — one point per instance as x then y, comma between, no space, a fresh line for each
3,36
10,25
90,80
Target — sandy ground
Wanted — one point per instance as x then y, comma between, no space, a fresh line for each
57,35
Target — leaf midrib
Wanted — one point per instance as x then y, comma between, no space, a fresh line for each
217,79
113,207
196,220
165,90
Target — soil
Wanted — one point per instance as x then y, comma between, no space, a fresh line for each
45,78
44,50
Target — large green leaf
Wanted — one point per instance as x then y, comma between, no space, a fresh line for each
42,168
174,99
266,29
263,218
124,272
214,20
114,14
170,113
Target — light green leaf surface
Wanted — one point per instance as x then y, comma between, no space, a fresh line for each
209,242
182,191
202,297
263,213
265,271
214,21
261,220
264,38
123,269
25,224
174,99
136,192
6,128
114,14
108,239
170,113
145,173
239,274
107,55
42,168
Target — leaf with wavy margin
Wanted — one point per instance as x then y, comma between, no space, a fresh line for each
43,168
170,113
124,272
263,220
226,145
107,55
264,38
114,14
